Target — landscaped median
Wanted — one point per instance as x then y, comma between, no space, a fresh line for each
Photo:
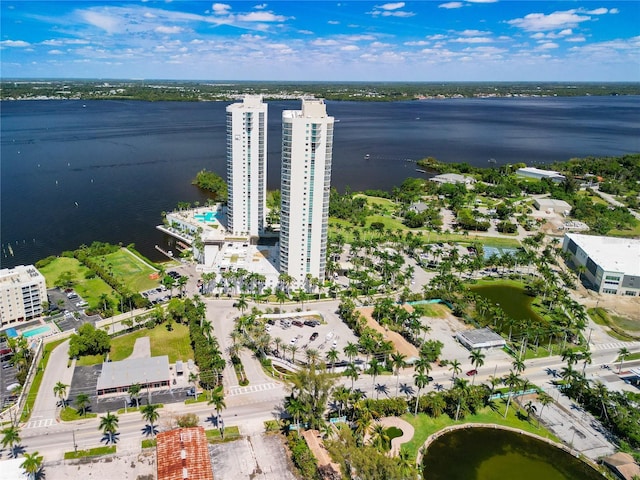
92,452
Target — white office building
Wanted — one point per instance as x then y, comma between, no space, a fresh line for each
307,144
539,174
611,264
247,166
22,291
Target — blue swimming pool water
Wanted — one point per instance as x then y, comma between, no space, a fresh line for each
205,217
11,333
36,331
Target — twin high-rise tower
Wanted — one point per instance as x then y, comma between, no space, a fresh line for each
305,180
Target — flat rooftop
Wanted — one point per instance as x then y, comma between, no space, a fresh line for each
132,371
612,254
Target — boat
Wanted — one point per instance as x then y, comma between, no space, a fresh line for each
492,160
367,156
420,170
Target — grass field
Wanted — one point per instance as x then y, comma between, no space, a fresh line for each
175,343
89,289
338,225
425,425
130,269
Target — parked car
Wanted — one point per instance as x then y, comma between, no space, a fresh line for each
311,323
471,373
297,323
313,336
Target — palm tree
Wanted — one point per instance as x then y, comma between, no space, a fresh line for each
332,357
217,400
82,402
530,408
109,426
375,369
242,304
545,399
352,372
60,390
379,437
623,352
150,414
518,365
134,393
586,359
351,350
10,436
477,360
32,464
421,380
398,361
511,380
455,367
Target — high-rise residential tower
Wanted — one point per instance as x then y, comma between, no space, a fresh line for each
307,143
247,166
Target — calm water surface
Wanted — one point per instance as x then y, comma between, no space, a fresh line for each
493,454
77,171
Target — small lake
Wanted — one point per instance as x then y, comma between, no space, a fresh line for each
512,300
494,454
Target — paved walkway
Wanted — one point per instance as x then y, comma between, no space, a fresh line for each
59,369
407,433
141,349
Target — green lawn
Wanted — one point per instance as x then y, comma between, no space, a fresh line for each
230,434
92,452
130,269
89,289
70,414
175,343
425,425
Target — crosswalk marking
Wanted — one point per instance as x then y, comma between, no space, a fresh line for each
260,387
47,422
615,345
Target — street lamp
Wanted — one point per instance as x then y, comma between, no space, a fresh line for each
75,445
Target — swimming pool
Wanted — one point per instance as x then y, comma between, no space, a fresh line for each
205,217
36,331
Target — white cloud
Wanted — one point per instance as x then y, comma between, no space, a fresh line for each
548,46
305,32
614,11
220,8
578,38
419,43
482,1
15,43
391,10
261,17
450,5
260,7
349,48
598,11
537,22
472,40
380,45
391,6
324,42
565,32
168,30
56,52
473,33
437,36
104,21
333,22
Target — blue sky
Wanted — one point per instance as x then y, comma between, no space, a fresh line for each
468,40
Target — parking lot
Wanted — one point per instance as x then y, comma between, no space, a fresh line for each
330,332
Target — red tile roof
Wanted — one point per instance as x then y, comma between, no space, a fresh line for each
183,455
